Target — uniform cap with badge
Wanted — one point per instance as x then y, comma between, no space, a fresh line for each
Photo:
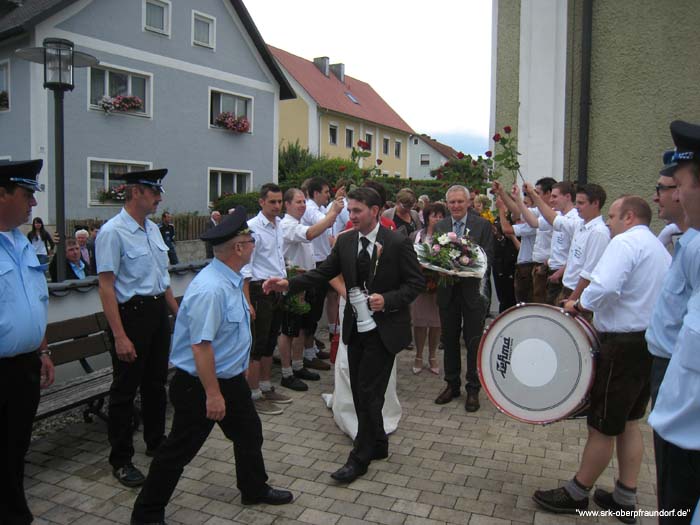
229,227
686,137
151,178
22,173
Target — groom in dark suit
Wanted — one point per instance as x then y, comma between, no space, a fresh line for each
463,307
384,263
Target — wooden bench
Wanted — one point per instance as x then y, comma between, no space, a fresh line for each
77,340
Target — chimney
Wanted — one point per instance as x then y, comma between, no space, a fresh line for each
339,71
322,64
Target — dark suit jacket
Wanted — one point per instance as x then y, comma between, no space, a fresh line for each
396,275
70,274
479,232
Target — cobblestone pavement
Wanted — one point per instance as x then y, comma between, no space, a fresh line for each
446,466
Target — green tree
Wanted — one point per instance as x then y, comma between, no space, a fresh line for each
294,160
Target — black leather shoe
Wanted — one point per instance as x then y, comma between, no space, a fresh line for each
306,375
270,496
294,383
137,522
447,395
348,473
316,364
472,403
129,476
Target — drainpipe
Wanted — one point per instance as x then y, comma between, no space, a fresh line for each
585,100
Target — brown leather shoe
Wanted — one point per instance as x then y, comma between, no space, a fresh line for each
316,364
447,395
472,403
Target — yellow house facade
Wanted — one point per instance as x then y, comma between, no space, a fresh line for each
332,112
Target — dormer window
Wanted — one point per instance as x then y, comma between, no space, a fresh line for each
352,97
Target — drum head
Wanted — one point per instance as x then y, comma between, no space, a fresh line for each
536,363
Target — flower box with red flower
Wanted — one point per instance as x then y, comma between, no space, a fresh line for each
231,122
115,194
121,103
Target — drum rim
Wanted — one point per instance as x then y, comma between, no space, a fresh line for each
579,325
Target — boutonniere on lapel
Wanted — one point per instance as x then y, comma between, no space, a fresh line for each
378,247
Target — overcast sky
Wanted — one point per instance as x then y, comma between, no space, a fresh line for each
431,61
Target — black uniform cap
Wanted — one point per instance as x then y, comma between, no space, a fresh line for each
152,178
686,137
229,227
21,173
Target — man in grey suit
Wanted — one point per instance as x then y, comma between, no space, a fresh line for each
462,306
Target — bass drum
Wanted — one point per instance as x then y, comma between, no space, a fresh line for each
536,363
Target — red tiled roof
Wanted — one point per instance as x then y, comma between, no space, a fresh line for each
330,93
444,149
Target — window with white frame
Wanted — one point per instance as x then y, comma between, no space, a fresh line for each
397,149
4,85
239,106
333,134
133,90
368,140
203,30
223,182
108,175
385,146
349,137
156,16
425,159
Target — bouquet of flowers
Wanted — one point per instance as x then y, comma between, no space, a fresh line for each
451,256
232,123
115,193
295,304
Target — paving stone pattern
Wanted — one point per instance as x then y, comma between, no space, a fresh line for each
445,466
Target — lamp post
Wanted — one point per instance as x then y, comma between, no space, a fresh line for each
59,60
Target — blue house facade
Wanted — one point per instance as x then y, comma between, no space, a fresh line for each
188,85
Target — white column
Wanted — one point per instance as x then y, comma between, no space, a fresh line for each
542,88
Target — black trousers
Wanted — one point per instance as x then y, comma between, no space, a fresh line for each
316,297
19,399
658,371
679,483
191,428
460,317
370,365
146,324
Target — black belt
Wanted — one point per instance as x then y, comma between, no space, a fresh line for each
144,299
612,336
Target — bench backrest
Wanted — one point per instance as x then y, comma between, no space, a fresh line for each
78,338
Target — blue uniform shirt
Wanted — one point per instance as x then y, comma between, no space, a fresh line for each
138,257
24,297
214,309
672,303
676,415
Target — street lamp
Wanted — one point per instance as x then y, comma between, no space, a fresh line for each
59,60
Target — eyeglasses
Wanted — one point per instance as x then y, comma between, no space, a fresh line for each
662,187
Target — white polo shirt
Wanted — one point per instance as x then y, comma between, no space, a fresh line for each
268,258
297,248
527,236
543,239
564,228
626,282
321,244
587,246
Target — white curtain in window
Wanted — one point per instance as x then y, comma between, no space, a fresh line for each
201,31
155,16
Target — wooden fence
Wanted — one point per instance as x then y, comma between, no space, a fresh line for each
188,227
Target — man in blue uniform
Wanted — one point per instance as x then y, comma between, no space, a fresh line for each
25,362
676,414
211,348
132,262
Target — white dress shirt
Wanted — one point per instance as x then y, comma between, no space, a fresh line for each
268,256
587,246
527,236
371,237
565,226
543,240
627,281
297,248
321,244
